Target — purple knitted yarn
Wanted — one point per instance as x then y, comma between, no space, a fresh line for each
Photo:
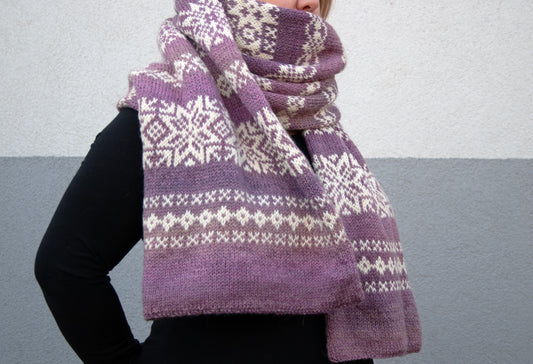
235,219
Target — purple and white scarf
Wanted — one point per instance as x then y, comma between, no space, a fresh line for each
235,219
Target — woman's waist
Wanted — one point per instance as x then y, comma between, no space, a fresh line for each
238,338
246,323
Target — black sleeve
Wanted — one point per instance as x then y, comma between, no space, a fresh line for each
97,222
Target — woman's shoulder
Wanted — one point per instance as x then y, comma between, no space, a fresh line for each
128,112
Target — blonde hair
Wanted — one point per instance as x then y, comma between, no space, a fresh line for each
325,7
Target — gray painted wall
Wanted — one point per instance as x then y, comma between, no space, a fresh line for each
466,227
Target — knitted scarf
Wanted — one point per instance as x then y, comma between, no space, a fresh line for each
235,218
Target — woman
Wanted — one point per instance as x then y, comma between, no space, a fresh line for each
228,160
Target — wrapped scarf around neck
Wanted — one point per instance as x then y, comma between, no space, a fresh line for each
235,219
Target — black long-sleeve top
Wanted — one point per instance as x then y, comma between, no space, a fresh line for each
97,222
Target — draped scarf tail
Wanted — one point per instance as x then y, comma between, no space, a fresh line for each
235,218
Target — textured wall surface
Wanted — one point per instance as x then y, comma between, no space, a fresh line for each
466,238
426,79
436,95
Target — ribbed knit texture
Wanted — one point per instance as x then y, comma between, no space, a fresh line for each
235,218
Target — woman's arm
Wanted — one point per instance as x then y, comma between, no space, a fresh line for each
97,222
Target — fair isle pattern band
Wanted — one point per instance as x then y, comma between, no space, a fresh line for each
201,131
233,196
386,286
255,31
316,33
239,237
235,217
356,191
222,216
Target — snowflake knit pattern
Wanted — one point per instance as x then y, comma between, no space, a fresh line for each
235,218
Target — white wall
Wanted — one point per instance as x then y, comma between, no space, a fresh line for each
438,79
425,78
65,65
